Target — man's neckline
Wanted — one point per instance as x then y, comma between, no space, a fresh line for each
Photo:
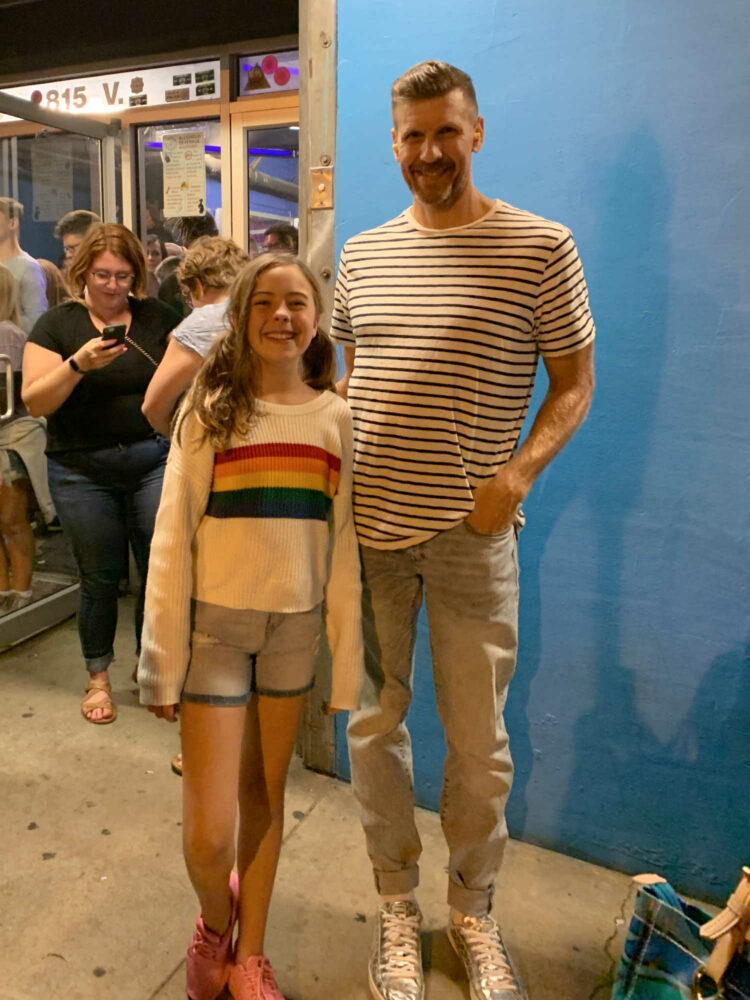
409,213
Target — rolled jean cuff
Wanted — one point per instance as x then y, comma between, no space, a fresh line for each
97,664
396,883
470,902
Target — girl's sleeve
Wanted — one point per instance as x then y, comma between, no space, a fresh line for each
165,643
344,588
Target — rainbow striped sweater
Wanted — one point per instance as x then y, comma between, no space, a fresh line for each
266,524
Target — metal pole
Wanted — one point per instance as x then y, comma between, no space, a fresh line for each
317,62
62,120
14,168
109,197
4,167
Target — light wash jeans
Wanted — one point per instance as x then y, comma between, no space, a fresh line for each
470,584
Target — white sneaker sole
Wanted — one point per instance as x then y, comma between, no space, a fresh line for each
375,992
472,991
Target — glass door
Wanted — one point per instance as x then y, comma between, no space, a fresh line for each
273,187
265,178
173,158
47,175
50,175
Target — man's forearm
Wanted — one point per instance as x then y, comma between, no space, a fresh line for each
561,414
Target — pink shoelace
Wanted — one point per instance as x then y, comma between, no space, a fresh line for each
256,980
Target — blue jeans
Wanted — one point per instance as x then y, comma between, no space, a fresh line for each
470,583
105,499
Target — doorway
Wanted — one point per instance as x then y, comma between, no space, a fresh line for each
49,172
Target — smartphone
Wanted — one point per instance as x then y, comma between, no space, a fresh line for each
115,332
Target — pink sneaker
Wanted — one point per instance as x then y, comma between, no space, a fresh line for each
254,980
209,956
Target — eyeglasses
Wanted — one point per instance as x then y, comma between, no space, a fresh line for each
104,277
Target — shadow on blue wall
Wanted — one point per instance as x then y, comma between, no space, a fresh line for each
605,483
620,775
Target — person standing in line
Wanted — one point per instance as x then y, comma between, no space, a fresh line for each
254,533
443,313
56,288
188,229
155,223
22,466
156,252
30,281
86,366
71,230
281,237
204,274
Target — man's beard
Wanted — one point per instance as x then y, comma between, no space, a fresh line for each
444,196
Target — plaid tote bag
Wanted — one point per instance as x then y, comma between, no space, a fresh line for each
676,951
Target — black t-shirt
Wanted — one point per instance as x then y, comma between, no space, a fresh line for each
104,409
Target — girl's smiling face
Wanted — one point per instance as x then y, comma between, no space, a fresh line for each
283,320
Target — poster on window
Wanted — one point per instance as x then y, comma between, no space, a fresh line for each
183,155
51,178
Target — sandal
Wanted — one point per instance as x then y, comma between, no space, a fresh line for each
98,695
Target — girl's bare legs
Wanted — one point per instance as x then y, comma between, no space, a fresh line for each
212,744
18,537
270,735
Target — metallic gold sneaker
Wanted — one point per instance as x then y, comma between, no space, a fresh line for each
478,943
396,959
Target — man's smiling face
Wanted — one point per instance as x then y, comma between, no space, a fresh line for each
433,141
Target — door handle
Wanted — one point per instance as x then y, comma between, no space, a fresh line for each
8,412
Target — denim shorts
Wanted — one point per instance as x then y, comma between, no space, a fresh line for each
238,653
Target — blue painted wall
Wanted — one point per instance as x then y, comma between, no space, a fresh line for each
629,714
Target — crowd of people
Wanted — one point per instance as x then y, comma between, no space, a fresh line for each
32,446
289,505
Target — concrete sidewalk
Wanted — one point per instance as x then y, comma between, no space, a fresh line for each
94,897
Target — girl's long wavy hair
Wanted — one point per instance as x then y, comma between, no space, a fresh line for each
223,392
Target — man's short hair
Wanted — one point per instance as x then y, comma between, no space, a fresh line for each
432,78
75,223
190,228
287,234
11,209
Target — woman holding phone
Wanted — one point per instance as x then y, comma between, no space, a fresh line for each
86,367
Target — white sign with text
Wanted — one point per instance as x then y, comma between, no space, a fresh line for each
184,159
114,93
51,178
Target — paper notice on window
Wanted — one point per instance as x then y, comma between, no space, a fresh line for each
183,155
51,178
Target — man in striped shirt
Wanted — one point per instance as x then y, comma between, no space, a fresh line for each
443,313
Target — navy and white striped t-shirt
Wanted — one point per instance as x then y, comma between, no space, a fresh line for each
447,326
